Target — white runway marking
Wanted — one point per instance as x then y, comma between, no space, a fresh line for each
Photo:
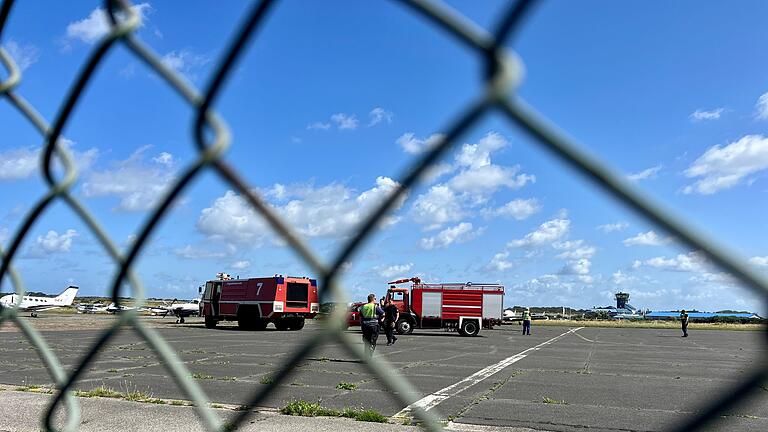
431,400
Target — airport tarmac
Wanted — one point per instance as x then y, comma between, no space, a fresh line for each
557,379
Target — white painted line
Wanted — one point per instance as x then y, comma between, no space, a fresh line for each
431,400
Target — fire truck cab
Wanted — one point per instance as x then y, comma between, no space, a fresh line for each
284,301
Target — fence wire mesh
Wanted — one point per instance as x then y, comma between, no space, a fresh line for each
503,73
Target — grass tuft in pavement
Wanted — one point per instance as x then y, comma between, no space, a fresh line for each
314,409
202,376
548,400
133,396
346,386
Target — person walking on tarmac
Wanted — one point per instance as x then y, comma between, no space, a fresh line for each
370,314
391,315
684,322
527,321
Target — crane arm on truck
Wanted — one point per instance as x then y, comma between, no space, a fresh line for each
414,279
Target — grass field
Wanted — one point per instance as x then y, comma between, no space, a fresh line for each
649,324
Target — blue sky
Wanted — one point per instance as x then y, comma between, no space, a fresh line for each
334,99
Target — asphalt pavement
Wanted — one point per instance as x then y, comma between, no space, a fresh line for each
557,379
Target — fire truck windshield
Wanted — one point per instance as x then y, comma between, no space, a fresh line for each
296,295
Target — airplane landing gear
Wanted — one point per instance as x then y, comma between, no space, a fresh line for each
33,314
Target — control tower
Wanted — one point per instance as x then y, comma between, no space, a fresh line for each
621,300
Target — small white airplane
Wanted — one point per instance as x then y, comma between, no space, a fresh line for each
37,304
512,316
91,308
112,308
179,310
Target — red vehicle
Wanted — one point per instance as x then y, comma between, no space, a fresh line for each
256,302
464,307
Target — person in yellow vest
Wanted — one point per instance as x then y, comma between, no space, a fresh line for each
370,315
684,322
527,322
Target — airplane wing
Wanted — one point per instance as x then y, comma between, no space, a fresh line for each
38,308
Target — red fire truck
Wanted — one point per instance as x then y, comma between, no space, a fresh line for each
464,307
283,300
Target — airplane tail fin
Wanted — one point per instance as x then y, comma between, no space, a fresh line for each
66,297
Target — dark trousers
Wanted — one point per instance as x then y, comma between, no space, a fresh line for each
389,330
370,335
685,329
526,327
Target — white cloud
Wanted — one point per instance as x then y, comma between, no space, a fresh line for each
574,250
437,207
762,107
475,182
240,265
185,62
21,163
164,158
518,209
460,233
319,126
612,227
328,211
547,288
501,262
94,26
399,270
620,278
413,145
379,115
548,232
190,252
345,121
690,262
489,178
139,185
341,120
479,155
759,261
478,175
649,238
436,171
52,242
576,267
645,174
25,55
724,167
700,115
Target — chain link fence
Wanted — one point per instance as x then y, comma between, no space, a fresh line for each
503,73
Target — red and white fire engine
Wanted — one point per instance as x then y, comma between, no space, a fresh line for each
254,303
464,307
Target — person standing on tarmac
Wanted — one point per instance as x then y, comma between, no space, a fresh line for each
391,315
370,314
527,322
684,322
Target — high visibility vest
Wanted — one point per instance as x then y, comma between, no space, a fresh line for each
526,316
368,311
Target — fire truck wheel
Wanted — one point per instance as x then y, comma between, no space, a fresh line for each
260,324
210,322
469,328
281,324
404,327
297,324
